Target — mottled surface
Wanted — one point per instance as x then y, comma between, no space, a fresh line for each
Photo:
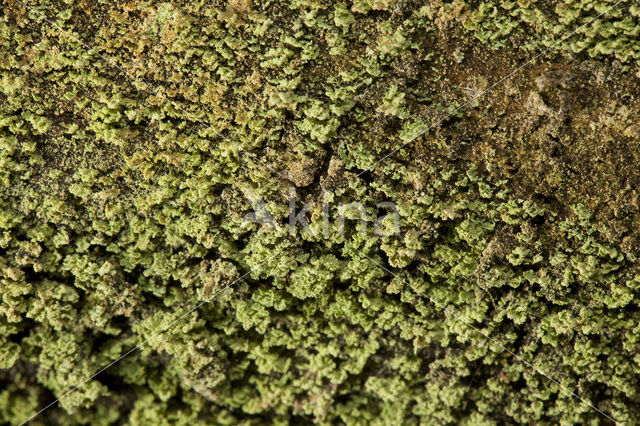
134,138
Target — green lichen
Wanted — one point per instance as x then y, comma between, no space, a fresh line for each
136,137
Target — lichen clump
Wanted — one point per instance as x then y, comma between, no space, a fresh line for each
136,137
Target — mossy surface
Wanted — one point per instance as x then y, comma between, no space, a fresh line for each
135,137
